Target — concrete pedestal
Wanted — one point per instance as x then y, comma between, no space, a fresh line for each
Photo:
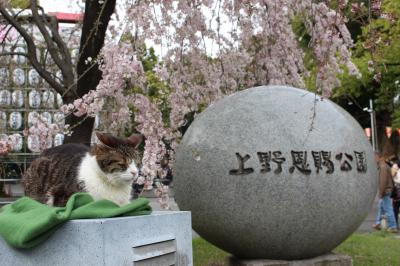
162,238
330,259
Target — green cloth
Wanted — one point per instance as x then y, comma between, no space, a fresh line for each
26,222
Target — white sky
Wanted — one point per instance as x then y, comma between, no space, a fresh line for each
74,6
77,6
67,6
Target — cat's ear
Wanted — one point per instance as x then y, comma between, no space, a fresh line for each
135,140
107,139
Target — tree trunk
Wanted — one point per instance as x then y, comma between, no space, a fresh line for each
94,28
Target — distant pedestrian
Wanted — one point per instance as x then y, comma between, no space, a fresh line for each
165,172
396,192
137,185
385,206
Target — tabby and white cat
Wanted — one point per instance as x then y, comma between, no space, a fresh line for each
105,171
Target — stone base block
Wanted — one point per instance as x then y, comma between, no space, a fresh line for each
162,238
330,259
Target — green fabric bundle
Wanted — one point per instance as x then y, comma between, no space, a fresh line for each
26,222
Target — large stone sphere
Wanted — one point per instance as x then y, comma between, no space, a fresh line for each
275,172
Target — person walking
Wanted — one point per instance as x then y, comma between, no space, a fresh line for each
385,190
396,196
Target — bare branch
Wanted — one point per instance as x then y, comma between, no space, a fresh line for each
6,35
40,23
52,23
9,29
14,53
31,51
66,67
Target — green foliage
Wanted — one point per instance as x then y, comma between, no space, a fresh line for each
20,3
351,85
377,55
300,30
205,253
396,118
380,248
309,58
374,249
157,91
149,59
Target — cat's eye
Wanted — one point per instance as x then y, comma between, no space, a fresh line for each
110,161
122,165
118,165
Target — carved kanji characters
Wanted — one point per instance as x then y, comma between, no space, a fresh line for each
361,161
345,165
323,158
299,159
266,158
242,170
278,159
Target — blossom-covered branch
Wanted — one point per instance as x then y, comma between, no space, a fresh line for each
240,45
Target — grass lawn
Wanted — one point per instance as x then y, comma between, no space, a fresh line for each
374,249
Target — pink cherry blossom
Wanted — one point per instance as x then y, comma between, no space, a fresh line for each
210,49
